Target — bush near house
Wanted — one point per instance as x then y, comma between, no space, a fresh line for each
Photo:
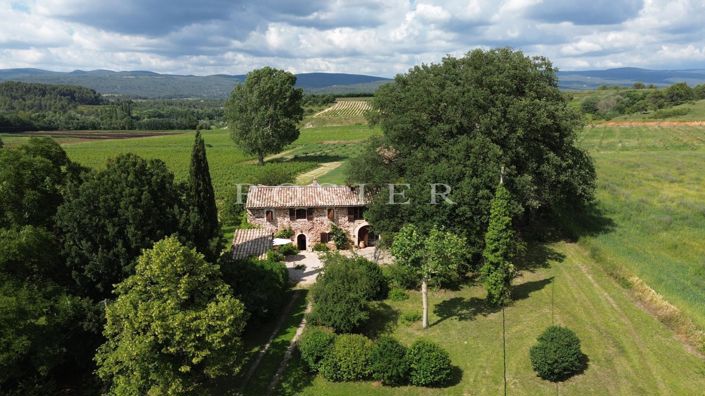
314,345
348,359
321,247
557,355
388,362
260,284
429,364
284,233
288,250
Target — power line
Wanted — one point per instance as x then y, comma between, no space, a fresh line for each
504,352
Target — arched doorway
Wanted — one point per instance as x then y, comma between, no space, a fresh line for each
366,237
301,242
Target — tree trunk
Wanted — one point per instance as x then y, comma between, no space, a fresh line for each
260,159
424,299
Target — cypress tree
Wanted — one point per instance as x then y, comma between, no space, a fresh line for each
204,229
497,271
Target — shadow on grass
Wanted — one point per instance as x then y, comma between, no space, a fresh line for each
318,158
570,224
467,309
383,320
296,378
538,255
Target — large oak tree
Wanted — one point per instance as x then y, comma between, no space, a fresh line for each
458,123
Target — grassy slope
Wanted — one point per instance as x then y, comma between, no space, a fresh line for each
651,185
695,112
625,345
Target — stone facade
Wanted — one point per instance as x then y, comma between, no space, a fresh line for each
317,221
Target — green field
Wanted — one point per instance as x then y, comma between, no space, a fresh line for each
694,111
228,165
652,187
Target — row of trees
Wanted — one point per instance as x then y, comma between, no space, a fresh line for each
639,100
69,234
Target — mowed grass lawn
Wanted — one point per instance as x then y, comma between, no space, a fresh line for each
629,351
228,165
652,186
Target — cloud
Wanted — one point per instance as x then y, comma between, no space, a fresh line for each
593,12
364,36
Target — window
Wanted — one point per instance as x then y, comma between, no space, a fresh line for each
301,214
269,215
325,237
258,213
331,214
355,213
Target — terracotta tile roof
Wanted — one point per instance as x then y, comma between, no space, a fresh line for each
311,196
251,242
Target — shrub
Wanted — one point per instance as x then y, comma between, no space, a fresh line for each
339,236
397,294
320,247
410,317
275,256
288,249
314,345
388,362
261,285
429,364
400,276
375,284
348,359
557,356
285,233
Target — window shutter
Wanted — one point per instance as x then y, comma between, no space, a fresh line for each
351,214
292,214
331,214
309,214
324,237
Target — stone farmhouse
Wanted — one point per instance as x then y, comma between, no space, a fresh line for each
310,211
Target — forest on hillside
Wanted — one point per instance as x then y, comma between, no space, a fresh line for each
46,107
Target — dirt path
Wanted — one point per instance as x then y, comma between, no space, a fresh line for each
308,177
289,352
260,355
650,123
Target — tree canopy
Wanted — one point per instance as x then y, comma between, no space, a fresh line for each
456,123
264,112
173,327
112,216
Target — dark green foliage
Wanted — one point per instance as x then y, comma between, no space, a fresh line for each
202,225
557,356
339,237
340,295
497,270
30,183
30,253
364,274
288,249
348,359
42,336
314,344
174,327
261,285
264,112
699,91
679,93
455,123
400,276
429,364
107,221
388,362
275,256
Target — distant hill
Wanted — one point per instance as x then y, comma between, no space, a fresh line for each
148,84
626,76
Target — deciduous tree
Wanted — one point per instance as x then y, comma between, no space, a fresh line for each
264,112
112,216
173,327
435,255
455,123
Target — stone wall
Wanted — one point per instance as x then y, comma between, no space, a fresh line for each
312,229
